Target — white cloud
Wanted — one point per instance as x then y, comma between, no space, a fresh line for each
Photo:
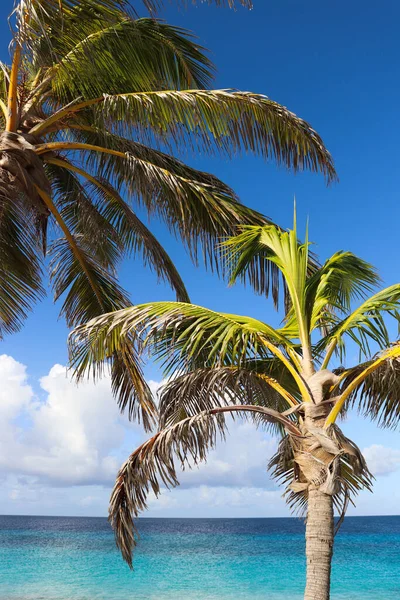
63,445
70,438
382,460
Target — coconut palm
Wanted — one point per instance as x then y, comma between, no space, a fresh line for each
219,364
92,101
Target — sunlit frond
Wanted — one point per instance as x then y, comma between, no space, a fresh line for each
180,335
366,324
378,395
216,120
129,54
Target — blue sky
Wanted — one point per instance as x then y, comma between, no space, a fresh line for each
334,64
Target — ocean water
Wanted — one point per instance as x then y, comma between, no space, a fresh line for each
62,558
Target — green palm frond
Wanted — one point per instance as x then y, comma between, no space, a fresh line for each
90,291
84,216
178,334
136,238
20,264
291,261
366,324
129,54
35,19
219,120
331,289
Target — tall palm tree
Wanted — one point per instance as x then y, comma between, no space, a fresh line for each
90,104
221,364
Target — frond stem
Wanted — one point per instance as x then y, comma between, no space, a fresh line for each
75,249
276,386
329,352
12,100
392,353
305,392
40,128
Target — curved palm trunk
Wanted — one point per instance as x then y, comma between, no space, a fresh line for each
319,545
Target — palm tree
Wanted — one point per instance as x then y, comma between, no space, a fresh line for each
92,101
220,364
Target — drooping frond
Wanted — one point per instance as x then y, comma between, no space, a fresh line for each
195,205
122,360
20,266
89,288
205,389
131,233
130,387
152,465
138,239
84,215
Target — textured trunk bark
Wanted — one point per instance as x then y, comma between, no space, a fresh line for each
319,545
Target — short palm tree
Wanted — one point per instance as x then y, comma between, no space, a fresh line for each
91,98
221,364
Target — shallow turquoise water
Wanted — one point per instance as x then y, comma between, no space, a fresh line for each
46,558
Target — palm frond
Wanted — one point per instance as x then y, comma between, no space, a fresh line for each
109,58
205,389
378,395
181,335
365,324
197,206
35,19
138,239
84,216
88,291
152,465
20,265
218,120
131,233
154,5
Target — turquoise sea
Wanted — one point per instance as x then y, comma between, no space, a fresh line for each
63,558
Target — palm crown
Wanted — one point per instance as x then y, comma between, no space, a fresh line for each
93,100
220,364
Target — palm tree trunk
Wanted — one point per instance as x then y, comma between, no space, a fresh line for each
319,545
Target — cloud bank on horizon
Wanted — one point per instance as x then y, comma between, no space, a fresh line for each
61,447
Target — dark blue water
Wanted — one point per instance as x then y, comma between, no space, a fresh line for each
64,558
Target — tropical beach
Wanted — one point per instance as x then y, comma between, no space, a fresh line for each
200,359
